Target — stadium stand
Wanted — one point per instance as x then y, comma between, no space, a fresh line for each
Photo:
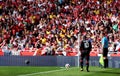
115,54
1,53
26,53
92,53
52,25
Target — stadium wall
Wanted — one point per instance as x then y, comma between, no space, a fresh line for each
114,62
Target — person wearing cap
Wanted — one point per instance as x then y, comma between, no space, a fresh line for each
85,48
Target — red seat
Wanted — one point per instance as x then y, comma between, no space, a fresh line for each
26,53
60,53
115,54
93,53
1,53
71,53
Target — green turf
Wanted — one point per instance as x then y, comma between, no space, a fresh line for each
57,71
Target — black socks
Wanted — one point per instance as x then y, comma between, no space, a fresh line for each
87,66
105,63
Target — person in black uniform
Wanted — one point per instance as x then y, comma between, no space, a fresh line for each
105,44
85,48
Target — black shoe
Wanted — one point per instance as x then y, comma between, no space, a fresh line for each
88,71
81,69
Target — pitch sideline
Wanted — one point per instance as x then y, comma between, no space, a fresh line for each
43,72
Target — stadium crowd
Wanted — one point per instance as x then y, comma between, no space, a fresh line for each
53,27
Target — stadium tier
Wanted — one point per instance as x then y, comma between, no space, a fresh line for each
56,27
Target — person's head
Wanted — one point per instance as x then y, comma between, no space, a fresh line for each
84,37
103,34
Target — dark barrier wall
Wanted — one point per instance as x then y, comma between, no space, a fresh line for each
114,62
34,60
62,60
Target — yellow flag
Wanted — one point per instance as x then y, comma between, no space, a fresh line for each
101,61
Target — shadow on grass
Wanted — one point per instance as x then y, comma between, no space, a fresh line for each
107,72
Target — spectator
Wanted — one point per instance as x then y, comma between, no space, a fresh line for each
56,21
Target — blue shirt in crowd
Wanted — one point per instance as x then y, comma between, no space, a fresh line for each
105,42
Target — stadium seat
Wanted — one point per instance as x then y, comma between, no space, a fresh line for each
26,53
71,53
118,54
59,53
1,53
92,53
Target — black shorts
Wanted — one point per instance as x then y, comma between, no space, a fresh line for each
85,54
105,52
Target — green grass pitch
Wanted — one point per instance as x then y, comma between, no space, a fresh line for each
56,71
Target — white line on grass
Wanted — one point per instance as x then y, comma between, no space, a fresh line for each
42,72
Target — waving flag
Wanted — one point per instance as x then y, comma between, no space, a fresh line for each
101,60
